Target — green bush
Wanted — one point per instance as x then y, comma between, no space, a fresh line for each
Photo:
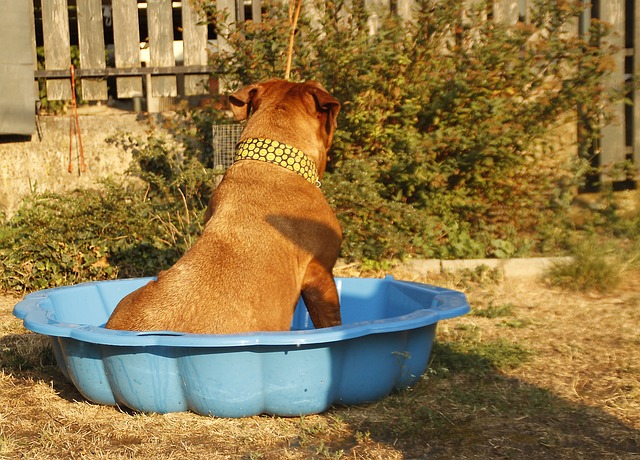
129,228
443,149
134,226
604,247
592,267
56,240
444,145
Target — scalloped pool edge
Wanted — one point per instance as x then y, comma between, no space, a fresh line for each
298,372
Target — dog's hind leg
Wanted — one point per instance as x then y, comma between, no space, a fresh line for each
321,296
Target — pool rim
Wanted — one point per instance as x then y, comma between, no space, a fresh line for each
33,311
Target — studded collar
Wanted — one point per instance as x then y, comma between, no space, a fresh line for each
275,152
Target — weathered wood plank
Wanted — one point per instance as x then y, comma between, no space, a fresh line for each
256,11
222,45
126,42
57,55
573,26
91,40
34,53
124,72
636,93
16,70
585,19
377,9
230,7
161,46
194,36
240,11
613,134
506,11
405,9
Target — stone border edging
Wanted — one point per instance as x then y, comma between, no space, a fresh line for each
527,267
510,268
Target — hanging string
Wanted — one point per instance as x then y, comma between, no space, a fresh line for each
294,14
74,117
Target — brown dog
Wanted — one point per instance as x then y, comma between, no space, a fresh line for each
269,235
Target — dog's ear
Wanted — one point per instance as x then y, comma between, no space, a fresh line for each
241,101
326,103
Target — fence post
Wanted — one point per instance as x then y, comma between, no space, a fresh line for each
256,11
126,43
57,54
636,92
376,10
91,39
230,7
194,39
506,11
223,46
16,71
613,143
34,54
161,46
405,9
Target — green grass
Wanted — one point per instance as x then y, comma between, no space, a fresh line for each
478,358
605,245
495,311
595,266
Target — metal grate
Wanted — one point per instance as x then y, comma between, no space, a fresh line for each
225,138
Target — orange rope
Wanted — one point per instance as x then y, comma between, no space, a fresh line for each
294,14
74,117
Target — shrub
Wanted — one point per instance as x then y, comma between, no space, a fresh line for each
123,229
590,269
56,240
605,248
443,147
132,227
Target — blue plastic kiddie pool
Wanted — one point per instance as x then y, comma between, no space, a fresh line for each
384,344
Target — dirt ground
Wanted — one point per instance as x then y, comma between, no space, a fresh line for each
532,372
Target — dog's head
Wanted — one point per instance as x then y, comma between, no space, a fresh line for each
302,115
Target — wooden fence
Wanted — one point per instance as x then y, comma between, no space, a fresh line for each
175,43
620,140
121,21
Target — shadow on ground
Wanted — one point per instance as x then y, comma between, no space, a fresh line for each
464,407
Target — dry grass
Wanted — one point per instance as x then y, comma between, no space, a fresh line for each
532,373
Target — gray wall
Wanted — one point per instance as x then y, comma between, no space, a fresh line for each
17,90
41,163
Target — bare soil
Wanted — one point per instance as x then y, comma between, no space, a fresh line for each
534,373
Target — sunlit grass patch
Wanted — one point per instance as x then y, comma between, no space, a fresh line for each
593,267
495,311
480,358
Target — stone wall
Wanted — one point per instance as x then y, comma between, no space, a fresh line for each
41,163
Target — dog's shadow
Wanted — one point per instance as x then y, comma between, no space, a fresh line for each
304,232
